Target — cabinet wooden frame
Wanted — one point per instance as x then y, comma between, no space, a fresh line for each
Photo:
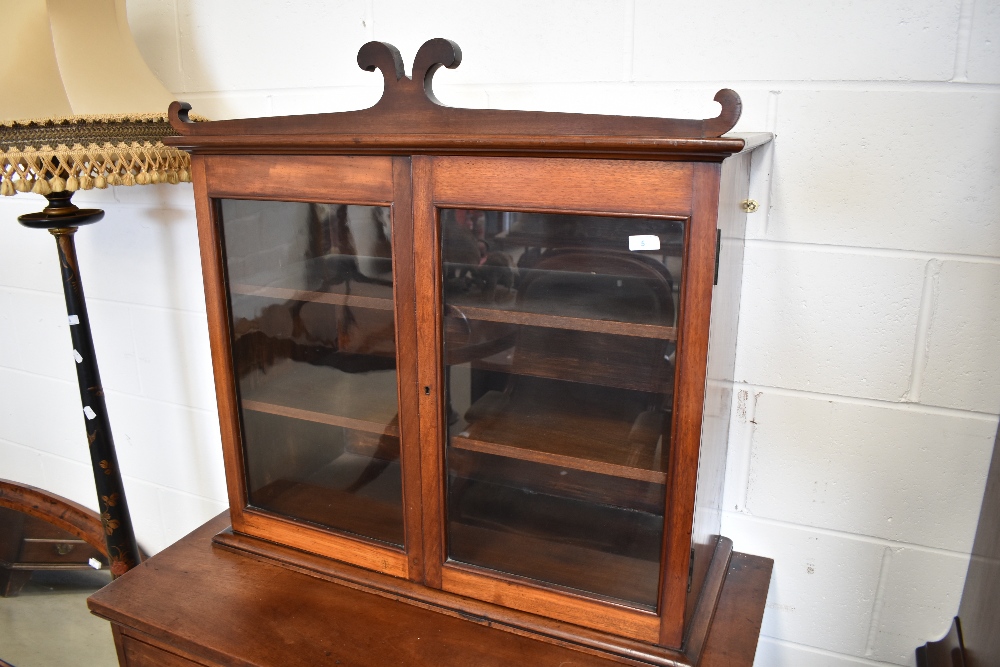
587,187
418,157
365,181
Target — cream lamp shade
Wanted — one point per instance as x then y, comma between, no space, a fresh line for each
79,108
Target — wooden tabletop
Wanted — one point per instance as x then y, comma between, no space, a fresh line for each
216,605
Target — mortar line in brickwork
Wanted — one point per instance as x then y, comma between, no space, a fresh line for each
369,20
36,374
14,443
151,204
963,42
161,401
873,252
746,411
42,452
86,465
628,60
843,534
178,42
54,378
871,402
771,125
55,292
126,477
162,487
114,392
879,602
921,342
135,351
861,86
822,651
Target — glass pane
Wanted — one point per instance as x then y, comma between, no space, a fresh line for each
560,337
310,288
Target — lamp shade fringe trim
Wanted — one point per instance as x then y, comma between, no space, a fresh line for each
90,152
46,170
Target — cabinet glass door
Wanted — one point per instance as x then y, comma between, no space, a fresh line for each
314,353
559,342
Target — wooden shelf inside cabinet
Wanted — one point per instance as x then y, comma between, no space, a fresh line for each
461,357
332,298
311,393
573,441
512,316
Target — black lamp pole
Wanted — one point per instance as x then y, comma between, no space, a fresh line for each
61,217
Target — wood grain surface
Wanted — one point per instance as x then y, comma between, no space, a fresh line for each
211,606
63,513
421,158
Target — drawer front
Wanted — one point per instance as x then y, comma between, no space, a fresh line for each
140,654
56,551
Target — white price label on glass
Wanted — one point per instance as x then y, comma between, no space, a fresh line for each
644,242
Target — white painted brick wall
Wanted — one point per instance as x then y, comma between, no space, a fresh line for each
867,345
824,320
779,653
881,471
823,587
962,361
796,40
914,605
888,169
983,61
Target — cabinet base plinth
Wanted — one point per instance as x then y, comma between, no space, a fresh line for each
251,602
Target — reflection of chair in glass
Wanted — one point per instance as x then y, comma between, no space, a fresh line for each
598,396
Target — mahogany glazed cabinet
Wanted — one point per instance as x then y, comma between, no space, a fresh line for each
481,360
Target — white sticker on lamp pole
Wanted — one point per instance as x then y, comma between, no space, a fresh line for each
644,242
74,319
89,411
78,357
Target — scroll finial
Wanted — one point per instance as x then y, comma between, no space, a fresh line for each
732,108
431,56
177,113
382,56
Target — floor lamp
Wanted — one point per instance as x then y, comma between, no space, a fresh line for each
71,122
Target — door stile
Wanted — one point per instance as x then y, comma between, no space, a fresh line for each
377,185
217,308
689,399
406,370
430,384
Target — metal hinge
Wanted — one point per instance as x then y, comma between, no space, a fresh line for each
691,571
718,250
